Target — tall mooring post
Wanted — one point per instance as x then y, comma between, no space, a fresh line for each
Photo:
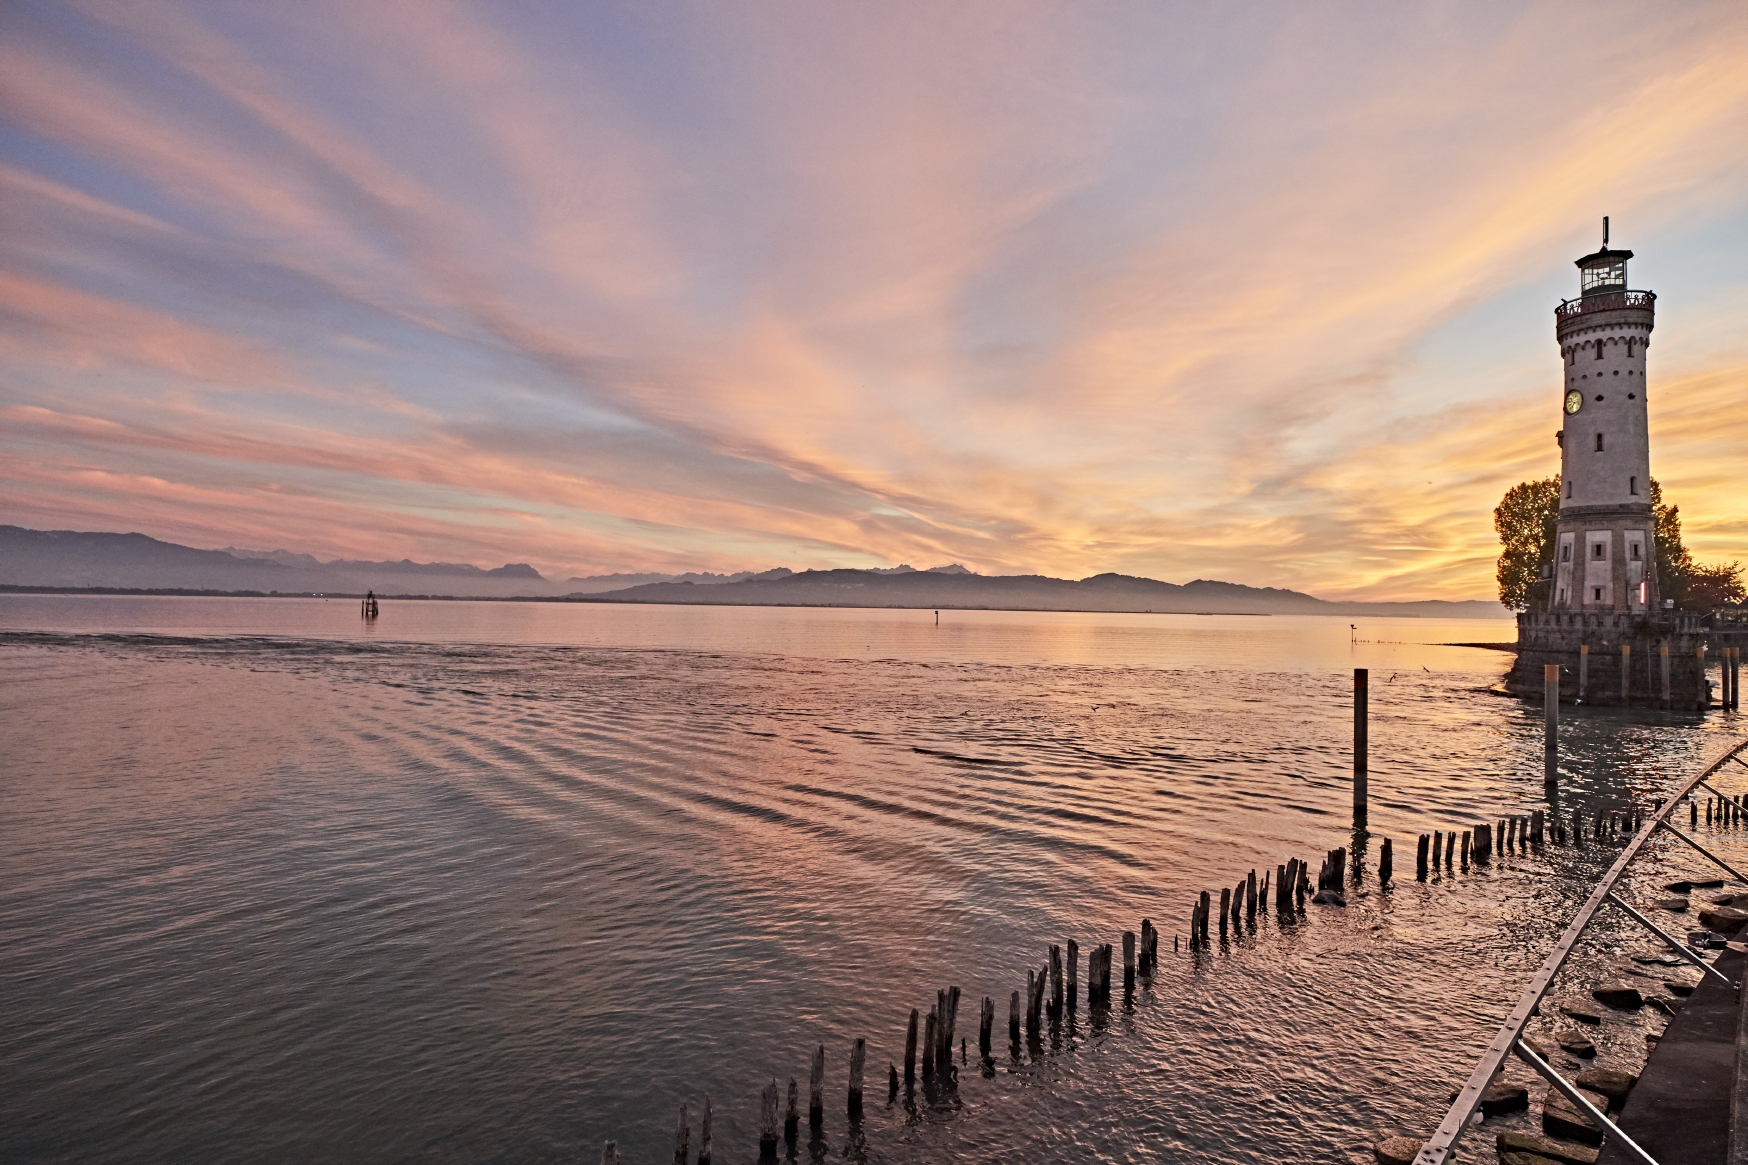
1583,669
1551,745
1360,688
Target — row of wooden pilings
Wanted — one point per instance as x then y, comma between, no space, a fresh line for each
1053,990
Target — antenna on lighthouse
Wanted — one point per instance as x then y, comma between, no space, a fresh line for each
1605,232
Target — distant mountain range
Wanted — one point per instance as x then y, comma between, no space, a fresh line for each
78,560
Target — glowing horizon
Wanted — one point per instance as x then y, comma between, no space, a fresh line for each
1261,296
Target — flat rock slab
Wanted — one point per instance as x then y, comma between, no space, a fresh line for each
1499,1099
1576,1043
1687,885
1580,1011
1680,1108
1396,1150
1575,1154
1723,919
1658,958
1561,1118
1675,905
1611,1082
1622,995
1680,986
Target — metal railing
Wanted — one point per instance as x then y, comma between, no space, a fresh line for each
1607,301
1440,1147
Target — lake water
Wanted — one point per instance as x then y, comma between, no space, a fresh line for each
501,881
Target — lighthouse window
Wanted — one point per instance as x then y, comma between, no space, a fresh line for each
1599,442
1566,553
1599,349
1635,552
1598,549
1568,489
1597,591
1633,488
1630,343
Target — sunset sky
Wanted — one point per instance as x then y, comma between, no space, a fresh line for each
1261,293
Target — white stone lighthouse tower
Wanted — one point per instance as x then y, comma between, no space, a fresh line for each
1604,555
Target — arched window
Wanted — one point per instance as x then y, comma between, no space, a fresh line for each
1599,442
1599,349
1633,488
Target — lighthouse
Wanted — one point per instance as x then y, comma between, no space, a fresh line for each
1601,619
1604,552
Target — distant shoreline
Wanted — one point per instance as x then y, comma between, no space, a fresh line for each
603,600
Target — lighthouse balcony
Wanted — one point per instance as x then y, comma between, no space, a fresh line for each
1603,301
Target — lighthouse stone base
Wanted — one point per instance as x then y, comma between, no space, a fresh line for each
1604,675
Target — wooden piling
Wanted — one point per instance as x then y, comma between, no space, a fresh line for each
768,1120
1014,1019
1583,669
931,1041
816,1090
1204,918
1141,967
1225,909
682,1139
951,1032
1058,990
1073,974
1551,726
792,1119
858,1058
858,1062
891,1082
1468,846
910,1034
1360,685
704,1146
1386,864
1626,673
1031,994
1663,664
1128,962
1105,973
1420,858
1705,690
610,1153
1693,812
1483,846
1437,849
1250,897
985,1024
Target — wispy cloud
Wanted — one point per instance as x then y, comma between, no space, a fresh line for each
1262,296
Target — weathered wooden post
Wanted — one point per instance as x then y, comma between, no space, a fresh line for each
816,1091
1386,864
1225,908
682,1138
1129,960
1705,685
1141,948
1626,674
610,1153
1206,902
1551,730
1583,669
1360,685
931,1041
858,1058
1031,1008
985,1024
1105,973
1014,1019
1058,989
704,1146
1250,897
792,1119
1420,858
1073,974
768,1122
1663,666
891,1082
910,1035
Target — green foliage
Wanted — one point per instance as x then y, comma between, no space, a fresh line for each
1526,518
1718,585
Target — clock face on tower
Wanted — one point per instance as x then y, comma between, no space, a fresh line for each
1574,401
